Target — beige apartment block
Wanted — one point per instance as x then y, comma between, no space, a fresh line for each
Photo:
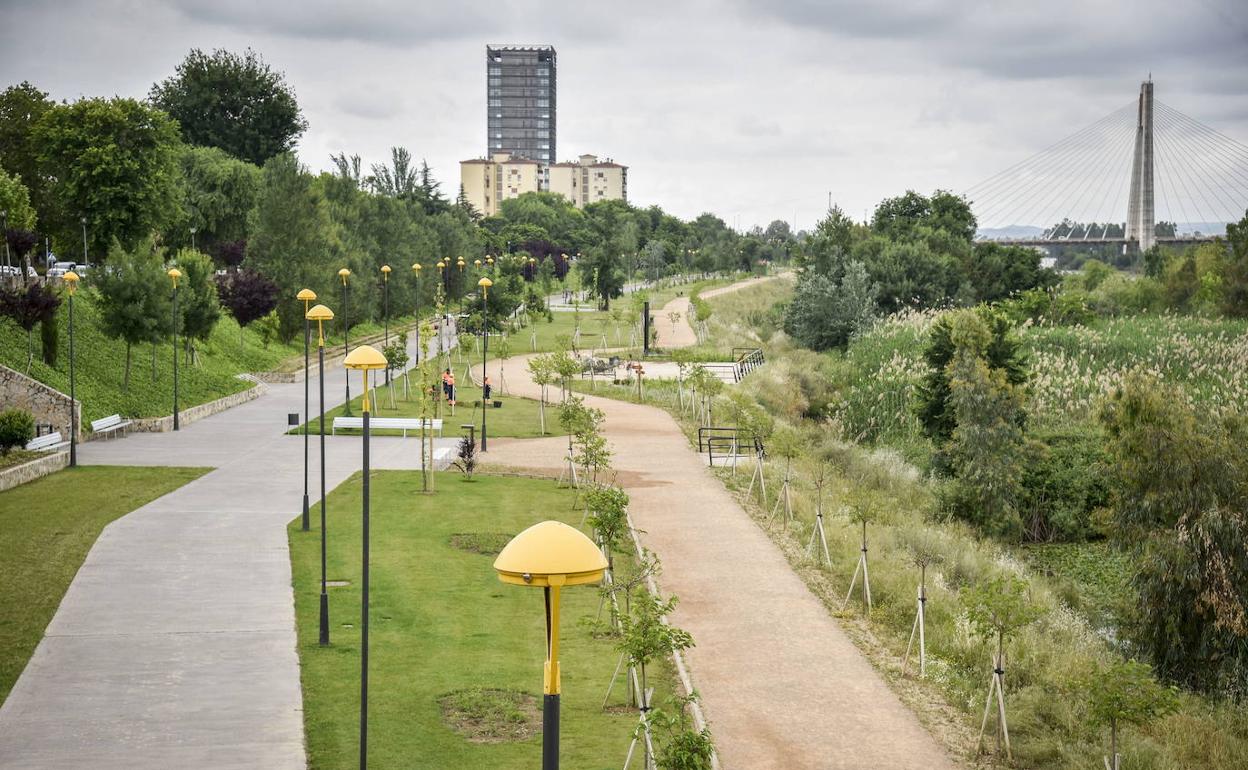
489,182
589,180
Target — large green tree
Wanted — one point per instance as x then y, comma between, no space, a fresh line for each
21,107
825,313
135,296
235,102
293,239
114,163
219,192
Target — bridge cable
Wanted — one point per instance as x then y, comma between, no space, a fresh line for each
1226,152
1196,162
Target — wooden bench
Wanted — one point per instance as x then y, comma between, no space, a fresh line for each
109,424
385,423
48,442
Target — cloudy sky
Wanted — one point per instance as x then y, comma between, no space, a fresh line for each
752,109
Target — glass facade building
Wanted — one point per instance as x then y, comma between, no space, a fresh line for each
520,101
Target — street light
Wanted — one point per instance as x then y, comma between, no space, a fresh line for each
174,274
84,241
461,284
346,336
4,231
485,284
416,272
551,555
489,260
364,359
193,247
385,288
445,295
71,283
305,296
321,314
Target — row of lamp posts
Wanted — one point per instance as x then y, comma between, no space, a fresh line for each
549,555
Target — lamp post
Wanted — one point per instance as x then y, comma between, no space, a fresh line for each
461,284
489,260
321,314
4,231
305,296
84,241
346,336
442,281
364,359
485,284
174,275
385,290
193,246
550,555
416,272
71,283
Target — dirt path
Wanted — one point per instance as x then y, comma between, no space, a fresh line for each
781,683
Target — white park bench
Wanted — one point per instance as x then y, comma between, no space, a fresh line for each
49,442
386,423
109,424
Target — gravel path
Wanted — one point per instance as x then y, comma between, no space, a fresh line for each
781,683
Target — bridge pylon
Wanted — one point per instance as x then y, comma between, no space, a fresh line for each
1141,224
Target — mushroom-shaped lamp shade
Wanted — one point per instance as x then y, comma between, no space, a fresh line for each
343,273
320,313
485,283
306,295
441,264
385,271
174,274
532,260
416,267
476,262
490,259
71,281
365,357
550,553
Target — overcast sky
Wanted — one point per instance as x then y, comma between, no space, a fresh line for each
752,109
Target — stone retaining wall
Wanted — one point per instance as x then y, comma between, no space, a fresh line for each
48,405
190,415
40,466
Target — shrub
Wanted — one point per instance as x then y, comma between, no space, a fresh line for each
16,428
1063,482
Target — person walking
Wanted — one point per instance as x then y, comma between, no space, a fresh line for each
486,389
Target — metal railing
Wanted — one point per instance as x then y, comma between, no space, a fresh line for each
727,442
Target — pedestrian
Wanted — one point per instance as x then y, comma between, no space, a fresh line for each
486,388
446,385
450,387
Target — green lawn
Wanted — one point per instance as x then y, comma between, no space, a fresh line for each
517,418
46,529
100,363
442,623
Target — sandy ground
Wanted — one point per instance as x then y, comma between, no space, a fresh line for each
781,683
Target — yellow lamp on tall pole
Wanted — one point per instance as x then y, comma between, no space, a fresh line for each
321,314
364,359
71,285
306,296
385,284
550,555
460,263
343,274
485,284
416,272
174,274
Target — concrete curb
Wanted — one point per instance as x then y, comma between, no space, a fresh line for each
29,471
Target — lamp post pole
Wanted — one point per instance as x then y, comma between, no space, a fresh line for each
4,231
385,290
321,314
84,241
71,281
174,275
306,296
364,358
485,284
416,271
346,337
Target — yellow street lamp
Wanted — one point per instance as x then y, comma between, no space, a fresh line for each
485,284
321,314
174,274
416,272
306,296
71,285
364,359
385,283
550,555
476,263
343,274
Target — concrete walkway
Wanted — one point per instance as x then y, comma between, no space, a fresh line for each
781,683
174,646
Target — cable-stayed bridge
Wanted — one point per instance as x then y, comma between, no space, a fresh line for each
1175,180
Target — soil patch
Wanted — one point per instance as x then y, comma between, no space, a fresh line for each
485,715
488,543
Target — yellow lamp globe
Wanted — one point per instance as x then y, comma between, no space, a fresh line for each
306,295
174,274
71,281
385,272
550,553
319,313
416,267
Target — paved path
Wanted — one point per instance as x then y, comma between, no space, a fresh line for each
781,684
174,646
